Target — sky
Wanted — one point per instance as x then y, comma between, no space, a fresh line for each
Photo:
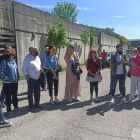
122,15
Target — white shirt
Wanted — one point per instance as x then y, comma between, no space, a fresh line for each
32,66
120,67
43,58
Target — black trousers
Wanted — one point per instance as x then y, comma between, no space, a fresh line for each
52,81
11,89
92,86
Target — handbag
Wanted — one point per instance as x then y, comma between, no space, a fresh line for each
128,74
41,80
80,69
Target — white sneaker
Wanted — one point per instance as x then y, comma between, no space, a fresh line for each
91,99
51,101
56,100
125,101
71,99
78,99
112,100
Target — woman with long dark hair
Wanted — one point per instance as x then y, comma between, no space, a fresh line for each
52,63
94,77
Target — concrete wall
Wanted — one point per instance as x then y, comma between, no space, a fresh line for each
6,20
29,20
108,42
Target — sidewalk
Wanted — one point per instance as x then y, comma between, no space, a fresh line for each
76,121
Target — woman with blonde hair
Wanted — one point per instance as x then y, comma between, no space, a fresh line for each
93,76
72,88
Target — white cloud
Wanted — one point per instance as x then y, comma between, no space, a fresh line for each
52,6
86,9
42,6
118,16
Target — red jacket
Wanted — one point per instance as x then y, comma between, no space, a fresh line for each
104,55
92,67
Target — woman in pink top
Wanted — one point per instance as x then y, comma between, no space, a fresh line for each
135,75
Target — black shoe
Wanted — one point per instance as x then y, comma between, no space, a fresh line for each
4,123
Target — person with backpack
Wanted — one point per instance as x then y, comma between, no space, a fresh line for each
52,63
43,56
10,76
2,97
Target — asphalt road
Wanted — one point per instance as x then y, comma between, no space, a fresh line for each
76,121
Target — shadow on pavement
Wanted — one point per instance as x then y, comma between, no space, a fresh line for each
117,106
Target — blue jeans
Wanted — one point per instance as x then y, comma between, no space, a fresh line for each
2,97
114,80
104,63
1,113
33,85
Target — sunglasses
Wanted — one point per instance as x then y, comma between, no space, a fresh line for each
94,52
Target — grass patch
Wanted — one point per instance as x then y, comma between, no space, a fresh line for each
22,77
1,83
61,68
84,64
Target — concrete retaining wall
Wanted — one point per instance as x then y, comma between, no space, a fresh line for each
29,20
6,20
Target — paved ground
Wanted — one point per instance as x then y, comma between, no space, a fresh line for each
76,121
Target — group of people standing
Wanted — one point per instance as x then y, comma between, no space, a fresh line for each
49,65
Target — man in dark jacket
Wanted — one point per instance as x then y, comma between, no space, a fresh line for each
2,97
118,63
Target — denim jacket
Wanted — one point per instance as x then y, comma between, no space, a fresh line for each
9,71
74,66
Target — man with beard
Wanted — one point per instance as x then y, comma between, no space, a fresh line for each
118,62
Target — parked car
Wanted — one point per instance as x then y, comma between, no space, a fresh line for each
108,57
129,53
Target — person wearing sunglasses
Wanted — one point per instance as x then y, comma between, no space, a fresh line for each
72,88
93,66
10,76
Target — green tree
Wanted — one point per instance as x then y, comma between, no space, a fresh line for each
57,36
65,10
85,38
